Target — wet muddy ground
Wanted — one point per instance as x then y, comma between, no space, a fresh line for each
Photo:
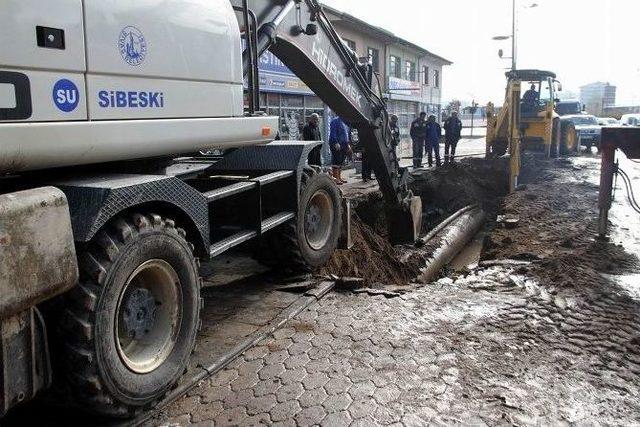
552,338
535,324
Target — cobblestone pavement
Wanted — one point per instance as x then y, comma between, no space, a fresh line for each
491,348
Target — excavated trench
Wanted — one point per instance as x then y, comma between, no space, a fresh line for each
444,192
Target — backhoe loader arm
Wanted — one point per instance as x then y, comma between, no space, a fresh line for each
302,37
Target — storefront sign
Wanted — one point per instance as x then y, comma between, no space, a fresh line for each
404,87
276,77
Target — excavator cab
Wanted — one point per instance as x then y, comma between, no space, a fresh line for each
539,123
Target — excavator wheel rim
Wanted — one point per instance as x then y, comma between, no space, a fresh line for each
159,281
318,220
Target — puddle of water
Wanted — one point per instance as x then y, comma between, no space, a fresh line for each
470,255
630,283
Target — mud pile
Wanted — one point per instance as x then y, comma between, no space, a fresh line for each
444,191
554,221
371,258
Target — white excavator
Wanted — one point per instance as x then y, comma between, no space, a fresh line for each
105,210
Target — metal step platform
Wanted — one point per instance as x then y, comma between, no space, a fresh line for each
246,235
244,184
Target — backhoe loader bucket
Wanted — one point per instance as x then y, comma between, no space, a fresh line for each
405,223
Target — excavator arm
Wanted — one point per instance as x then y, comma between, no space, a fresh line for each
302,37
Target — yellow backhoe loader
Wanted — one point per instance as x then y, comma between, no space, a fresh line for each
528,120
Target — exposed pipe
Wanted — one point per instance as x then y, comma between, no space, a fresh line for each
455,236
446,222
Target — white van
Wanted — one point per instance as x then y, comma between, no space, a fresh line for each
630,120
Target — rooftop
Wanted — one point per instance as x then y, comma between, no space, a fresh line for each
381,33
597,84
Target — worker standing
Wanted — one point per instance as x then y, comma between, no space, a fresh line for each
311,131
395,133
418,136
434,133
339,143
453,130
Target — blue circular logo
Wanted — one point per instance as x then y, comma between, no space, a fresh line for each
132,45
66,95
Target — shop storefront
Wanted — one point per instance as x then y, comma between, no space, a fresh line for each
405,100
284,95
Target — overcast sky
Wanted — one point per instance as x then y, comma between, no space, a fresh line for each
581,40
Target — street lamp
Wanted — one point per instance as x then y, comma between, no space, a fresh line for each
514,33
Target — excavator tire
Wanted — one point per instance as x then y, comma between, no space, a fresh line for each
568,139
129,327
307,242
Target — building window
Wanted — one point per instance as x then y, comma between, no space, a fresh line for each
410,71
374,58
425,75
436,78
351,44
395,69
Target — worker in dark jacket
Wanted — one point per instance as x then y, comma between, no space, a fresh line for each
434,133
339,143
530,100
453,129
395,132
311,131
418,134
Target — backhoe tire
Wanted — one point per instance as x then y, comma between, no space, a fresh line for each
307,242
569,142
130,326
556,140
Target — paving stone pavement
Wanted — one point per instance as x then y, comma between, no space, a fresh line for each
488,349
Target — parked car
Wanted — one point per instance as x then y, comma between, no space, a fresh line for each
587,128
630,120
608,121
567,108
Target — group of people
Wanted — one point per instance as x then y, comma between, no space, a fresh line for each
425,134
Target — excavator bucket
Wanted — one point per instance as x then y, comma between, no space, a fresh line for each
405,222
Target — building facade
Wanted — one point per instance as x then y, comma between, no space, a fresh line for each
598,96
410,78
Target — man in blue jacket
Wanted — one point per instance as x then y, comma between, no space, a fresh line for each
339,143
434,133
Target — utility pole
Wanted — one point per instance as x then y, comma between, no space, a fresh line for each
472,110
513,38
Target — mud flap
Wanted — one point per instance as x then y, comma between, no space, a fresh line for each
37,252
24,354
405,223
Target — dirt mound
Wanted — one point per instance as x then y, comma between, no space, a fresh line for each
446,190
556,224
372,258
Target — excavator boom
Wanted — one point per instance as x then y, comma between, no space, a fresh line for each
302,37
